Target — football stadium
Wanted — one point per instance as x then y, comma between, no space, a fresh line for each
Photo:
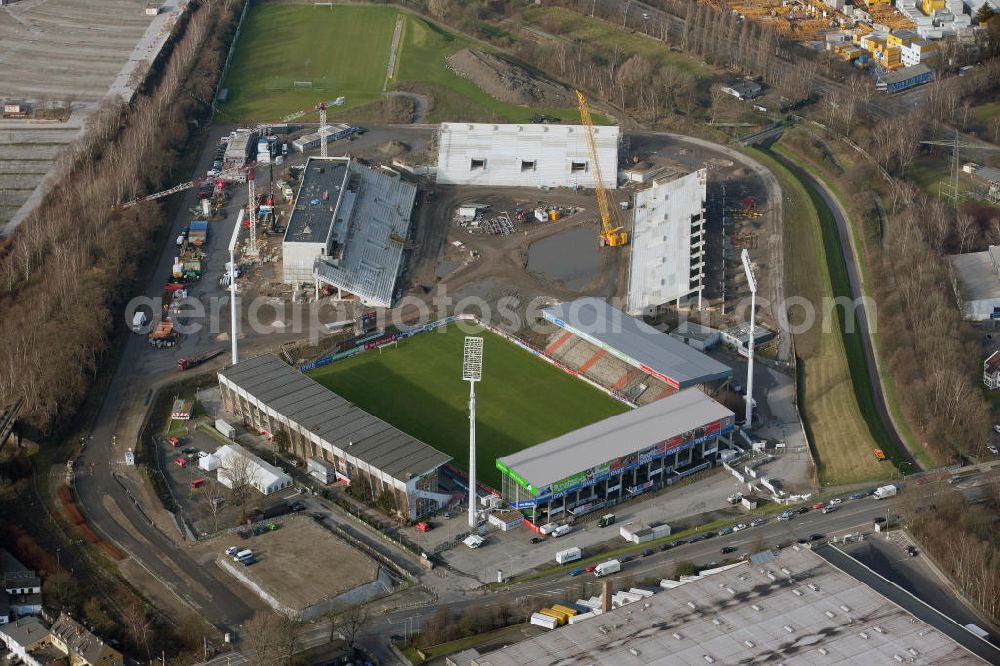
556,434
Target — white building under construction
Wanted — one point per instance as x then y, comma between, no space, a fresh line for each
668,243
348,229
524,155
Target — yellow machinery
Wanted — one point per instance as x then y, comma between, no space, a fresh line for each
611,224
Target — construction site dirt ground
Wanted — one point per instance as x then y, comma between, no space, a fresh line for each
300,563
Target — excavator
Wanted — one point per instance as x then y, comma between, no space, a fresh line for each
611,233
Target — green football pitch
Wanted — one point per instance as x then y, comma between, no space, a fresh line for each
417,386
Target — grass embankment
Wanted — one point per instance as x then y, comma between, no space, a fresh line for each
865,238
832,379
344,51
418,388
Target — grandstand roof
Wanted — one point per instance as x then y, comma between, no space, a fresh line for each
637,343
351,431
795,609
614,437
372,225
319,194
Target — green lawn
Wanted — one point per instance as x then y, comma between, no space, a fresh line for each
839,432
426,48
418,387
344,51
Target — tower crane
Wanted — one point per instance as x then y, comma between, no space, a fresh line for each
321,108
950,191
611,233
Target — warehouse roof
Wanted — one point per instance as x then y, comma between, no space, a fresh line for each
979,273
637,343
905,74
317,199
615,437
796,609
343,425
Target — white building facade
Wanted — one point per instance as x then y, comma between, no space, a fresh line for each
525,155
668,243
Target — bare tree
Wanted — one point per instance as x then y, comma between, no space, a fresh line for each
239,470
137,625
348,623
271,638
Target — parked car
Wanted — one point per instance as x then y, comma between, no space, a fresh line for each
627,558
708,535
232,550
665,547
648,552
423,527
992,449
198,483
803,509
181,462
190,449
857,496
725,550
801,540
818,505
835,501
446,515
725,530
757,522
590,567
297,506
911,551
816,537
173,441
741,526
202,454
535,540
996,428
829,509
576,572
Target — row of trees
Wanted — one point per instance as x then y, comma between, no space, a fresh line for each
962,538
66,270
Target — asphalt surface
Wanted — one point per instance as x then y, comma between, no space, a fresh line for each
921,610
854,281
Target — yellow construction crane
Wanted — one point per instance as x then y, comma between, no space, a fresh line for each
611,223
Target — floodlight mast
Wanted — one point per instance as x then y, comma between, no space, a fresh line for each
752,281
472,372
233,310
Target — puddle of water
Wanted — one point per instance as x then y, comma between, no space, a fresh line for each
445,268
571,257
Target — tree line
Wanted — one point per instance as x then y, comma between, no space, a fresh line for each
68,268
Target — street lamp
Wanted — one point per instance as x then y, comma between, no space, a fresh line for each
752,281
472,372
232,286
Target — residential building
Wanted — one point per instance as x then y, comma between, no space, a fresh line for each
991,371
27,639
81,646
22,588
744,89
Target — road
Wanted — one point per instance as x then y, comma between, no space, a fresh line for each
854,278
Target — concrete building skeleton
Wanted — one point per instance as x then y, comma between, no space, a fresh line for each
524,155
668,243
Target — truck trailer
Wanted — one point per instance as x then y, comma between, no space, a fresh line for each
884,492
568,555
609,567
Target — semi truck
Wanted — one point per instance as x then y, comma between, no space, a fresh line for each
609,567
188,363
568,555
883,492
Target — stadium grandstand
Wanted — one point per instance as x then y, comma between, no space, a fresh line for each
620,457
348,229
626,355
270,396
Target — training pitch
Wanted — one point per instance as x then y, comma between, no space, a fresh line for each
417,386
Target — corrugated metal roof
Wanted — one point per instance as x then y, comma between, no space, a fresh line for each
637,343
615,437
343,425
